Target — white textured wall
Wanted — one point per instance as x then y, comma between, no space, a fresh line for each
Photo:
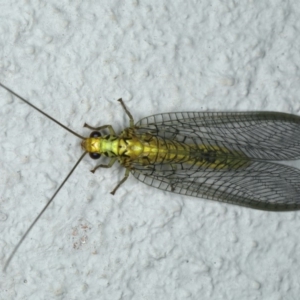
74,59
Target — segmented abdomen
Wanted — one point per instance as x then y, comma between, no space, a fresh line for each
164,151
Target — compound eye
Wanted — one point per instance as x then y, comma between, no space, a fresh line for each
94,155
95,134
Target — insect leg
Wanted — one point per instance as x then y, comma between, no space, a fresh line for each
121,182
109,165
110,128
131,122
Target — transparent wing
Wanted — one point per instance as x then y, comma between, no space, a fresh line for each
261,135
260,185
256,183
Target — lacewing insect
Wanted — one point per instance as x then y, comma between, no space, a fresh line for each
225,156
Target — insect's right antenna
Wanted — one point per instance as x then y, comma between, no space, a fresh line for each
41,213
40,111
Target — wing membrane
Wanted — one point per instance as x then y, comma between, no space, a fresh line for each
260,136
261,185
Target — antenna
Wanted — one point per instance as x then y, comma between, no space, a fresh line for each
61,185
40,111
41,213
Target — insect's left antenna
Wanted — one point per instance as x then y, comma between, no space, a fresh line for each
40,111
41,213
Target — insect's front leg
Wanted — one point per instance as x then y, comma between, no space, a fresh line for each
110,128
109,165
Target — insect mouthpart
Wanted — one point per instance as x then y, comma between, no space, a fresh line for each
91,145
